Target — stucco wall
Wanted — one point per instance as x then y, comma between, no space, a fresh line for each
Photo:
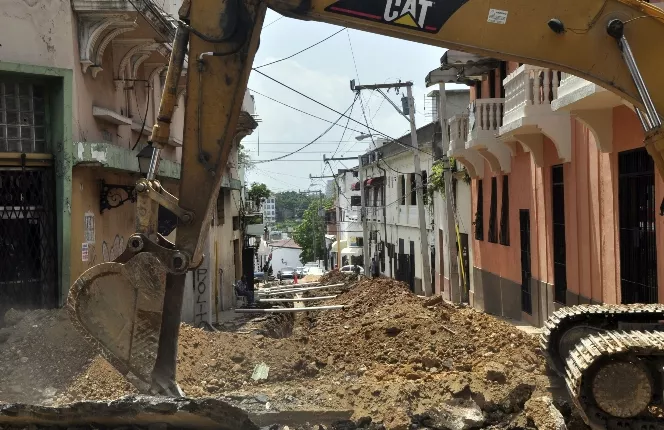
37,32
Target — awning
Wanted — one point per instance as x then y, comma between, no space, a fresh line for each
351,251
338,245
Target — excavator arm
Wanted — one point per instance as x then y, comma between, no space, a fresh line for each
131,307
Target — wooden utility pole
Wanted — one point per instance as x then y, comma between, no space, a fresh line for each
424,238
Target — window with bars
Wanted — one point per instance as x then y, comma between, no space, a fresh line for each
493,211
413,189
479,214
23,120
559,244
424,187
505,213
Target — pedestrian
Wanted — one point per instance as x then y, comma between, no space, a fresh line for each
375,273
242,291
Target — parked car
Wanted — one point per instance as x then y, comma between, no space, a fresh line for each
301,271
286,273
316,271
349,269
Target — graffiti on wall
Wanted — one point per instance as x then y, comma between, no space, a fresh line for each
112,251
201,305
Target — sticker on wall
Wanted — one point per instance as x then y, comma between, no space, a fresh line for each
85,254
89,230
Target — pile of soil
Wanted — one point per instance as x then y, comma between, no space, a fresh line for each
337,277
389,354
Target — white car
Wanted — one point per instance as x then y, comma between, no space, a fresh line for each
316,271
349,269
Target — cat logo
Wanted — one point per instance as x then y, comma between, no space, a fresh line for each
407,12
420,15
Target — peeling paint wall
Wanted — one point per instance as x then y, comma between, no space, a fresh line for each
45,32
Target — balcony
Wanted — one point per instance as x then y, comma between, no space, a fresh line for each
458,132
591,104
528,116
484,121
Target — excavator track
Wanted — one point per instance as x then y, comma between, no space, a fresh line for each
616,379
568,325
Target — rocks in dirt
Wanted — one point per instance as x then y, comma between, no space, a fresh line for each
5,333
455,414
495,372
13,317
393,330
544,414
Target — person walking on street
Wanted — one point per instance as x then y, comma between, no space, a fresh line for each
375,273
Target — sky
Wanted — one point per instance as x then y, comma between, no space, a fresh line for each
324,73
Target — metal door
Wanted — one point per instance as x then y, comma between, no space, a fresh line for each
28,251
638,248
524,227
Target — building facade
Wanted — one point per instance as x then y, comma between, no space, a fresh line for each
564,195
391,199
80,86
269,210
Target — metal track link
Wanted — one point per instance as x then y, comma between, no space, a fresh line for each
600,316
599,348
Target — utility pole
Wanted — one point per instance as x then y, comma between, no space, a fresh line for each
424,239
363,215
338,205
450,222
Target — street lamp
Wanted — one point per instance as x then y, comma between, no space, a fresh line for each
363,136
144,158
115,195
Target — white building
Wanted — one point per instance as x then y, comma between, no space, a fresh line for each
269,210
347,249
391,199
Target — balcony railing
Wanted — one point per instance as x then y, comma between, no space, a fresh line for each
486,117
529,89
458,131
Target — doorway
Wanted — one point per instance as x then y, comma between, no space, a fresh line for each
465,277
638,247
28,251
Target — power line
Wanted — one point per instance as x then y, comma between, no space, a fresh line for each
299,110
339,113
301,51
306,152
266,26
318,137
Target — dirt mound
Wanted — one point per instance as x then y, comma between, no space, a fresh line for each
389,355
40,355
337,277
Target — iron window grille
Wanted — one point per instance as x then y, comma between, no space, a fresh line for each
479,214
505,213
493,228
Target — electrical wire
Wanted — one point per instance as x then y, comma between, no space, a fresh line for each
345,128
339,113
308,144
145,117
299,110
266,26
301,51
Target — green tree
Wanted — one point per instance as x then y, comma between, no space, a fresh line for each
244,158
311,228
257,192
291,205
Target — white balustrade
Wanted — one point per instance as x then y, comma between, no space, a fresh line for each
527,88
458,131
486,117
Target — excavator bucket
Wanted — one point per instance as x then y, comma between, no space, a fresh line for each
117,306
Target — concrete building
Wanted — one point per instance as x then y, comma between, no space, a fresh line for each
269,210
390,196
80,85
347,248
564,195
